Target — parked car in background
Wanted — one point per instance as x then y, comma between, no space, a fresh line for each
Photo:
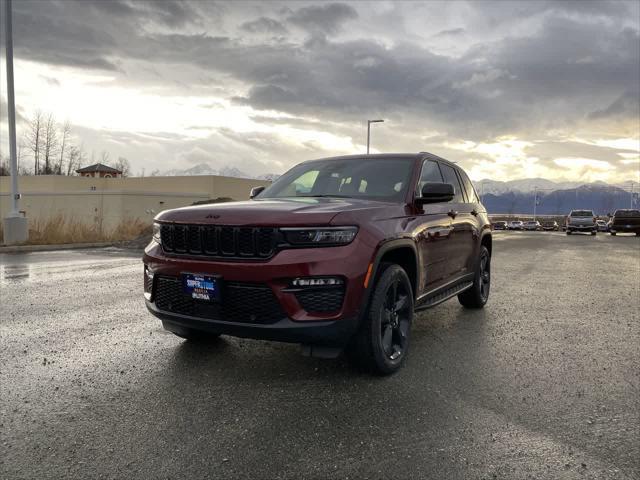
532,225
499,225
581,221
625,221
550,226
516,225
602,226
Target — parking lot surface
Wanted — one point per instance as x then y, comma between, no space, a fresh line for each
542,383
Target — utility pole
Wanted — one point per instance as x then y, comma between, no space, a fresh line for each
535,202
631,196
369,122
15,225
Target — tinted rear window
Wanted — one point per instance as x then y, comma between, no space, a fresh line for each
627,213
582,213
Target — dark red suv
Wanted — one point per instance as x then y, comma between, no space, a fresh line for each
336,254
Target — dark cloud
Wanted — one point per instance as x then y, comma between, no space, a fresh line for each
626,105
323,19
264,25
452,32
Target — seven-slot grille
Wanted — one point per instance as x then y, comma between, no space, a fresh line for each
241,302
219,240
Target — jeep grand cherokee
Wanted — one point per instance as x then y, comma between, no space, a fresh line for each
336,254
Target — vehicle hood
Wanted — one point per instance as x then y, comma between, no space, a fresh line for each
272,212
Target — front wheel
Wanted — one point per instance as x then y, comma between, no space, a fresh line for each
382,341
478,294
594,232
613,233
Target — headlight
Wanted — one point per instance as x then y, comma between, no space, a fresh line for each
156,233
320,236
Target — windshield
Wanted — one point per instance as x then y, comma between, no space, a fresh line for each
381,178
582,213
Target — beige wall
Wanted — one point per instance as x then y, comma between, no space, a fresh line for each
108,201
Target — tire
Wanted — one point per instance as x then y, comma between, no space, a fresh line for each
593,233
568,232
613,234
637,234
381,344
478,295
197,336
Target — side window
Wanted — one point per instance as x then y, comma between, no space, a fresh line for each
430,174
450,177
472,196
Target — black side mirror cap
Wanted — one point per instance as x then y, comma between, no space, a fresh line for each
436,193
255,191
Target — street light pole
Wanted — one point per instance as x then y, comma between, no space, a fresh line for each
369,122
15,226
535,202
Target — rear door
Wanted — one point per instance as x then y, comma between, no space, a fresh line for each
471,212
463,221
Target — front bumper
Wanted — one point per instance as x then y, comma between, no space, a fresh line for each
335,333
291,322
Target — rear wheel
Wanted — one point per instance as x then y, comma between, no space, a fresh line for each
382,341
613,233
568,232
478,294
593,232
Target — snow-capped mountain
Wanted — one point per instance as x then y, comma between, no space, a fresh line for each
226,171
526,185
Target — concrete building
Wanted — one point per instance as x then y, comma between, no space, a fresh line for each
106,202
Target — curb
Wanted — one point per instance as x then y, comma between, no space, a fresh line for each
45,248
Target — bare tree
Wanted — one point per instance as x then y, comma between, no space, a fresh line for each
65,133
34,137
76,156
123,165
104,157
50,143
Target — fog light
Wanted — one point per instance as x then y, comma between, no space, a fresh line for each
317,282
148,283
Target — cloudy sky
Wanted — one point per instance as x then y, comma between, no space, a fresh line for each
508,90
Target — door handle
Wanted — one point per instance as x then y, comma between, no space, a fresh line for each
452,213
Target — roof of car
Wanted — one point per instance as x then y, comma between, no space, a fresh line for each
373,156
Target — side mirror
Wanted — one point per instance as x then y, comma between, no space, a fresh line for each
436,193
255,191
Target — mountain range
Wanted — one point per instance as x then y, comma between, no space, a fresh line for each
226,171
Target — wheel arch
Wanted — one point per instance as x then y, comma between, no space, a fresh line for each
402,252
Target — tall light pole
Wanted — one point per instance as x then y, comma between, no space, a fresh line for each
631,194
15,225
535,202
369,122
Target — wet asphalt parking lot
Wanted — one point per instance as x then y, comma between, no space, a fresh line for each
542,383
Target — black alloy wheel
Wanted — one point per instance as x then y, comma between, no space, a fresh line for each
381,343
478,295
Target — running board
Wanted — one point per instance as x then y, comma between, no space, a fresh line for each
444,295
